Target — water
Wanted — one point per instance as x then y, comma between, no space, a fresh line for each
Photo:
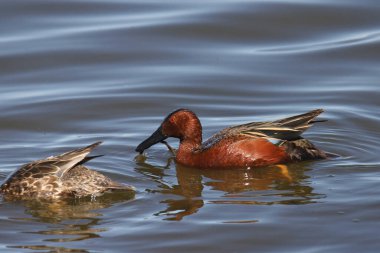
75,72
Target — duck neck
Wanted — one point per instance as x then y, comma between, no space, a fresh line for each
190,145
187,151
192,137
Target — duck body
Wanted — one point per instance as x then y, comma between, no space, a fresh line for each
56,177
254,144
232,152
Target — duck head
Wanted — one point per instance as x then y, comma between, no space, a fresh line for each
182,124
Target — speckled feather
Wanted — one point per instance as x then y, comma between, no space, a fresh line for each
58,177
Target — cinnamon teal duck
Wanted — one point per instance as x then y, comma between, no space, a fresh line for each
253,144
59,176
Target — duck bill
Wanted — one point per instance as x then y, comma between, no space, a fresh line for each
156,137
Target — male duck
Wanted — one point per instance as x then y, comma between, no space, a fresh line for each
249,145
59,176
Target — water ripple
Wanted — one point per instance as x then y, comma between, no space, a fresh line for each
74,72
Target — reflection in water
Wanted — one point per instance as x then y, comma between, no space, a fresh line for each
74,219
50,249
282,184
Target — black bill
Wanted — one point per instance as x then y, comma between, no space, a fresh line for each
156,137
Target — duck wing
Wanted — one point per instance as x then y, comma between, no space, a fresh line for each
68,160
55,165
289,128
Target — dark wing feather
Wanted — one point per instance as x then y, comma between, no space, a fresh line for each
69,159
284,129
300,122
55,165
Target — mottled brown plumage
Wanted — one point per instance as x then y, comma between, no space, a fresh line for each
59,176
249,145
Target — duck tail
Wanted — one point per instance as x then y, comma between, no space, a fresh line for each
302,149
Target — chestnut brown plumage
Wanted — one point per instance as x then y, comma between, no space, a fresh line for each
248,145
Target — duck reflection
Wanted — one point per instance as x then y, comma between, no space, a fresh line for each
73,219
280,184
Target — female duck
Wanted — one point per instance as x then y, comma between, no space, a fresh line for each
249,145
59,176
